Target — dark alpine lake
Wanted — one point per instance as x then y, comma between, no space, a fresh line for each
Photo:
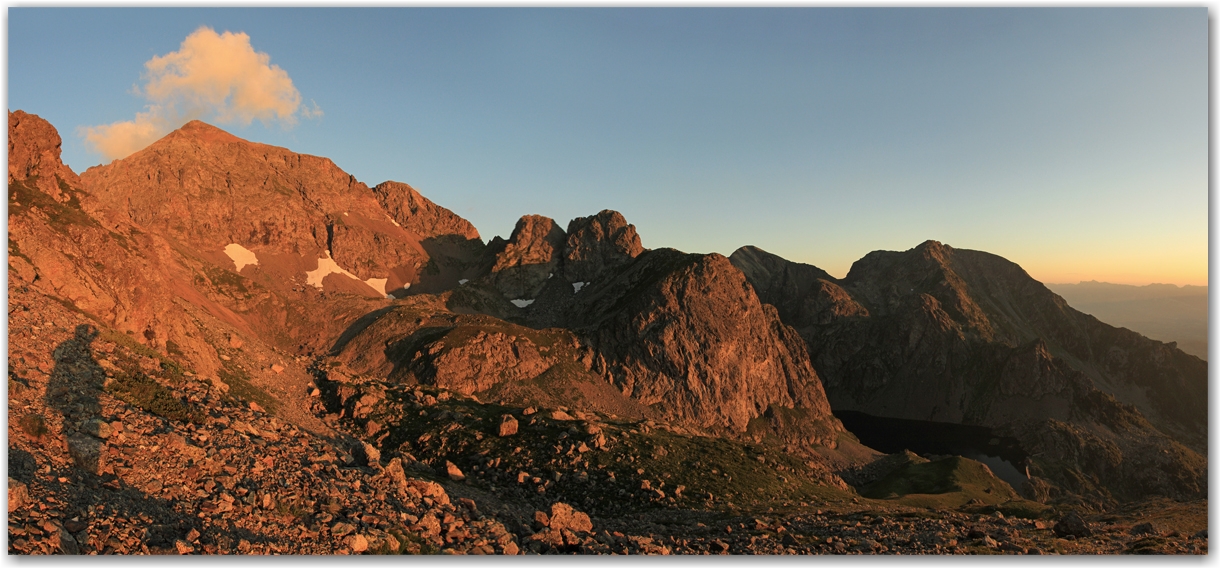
891,435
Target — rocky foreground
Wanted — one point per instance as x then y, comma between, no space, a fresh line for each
93,473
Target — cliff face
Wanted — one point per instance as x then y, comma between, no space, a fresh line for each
686,334
416,213
33,154
963,336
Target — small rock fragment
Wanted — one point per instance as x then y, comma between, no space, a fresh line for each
508,426
97,427
371,454
453,471
18,495
357,543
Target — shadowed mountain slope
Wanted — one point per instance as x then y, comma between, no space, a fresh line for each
948,335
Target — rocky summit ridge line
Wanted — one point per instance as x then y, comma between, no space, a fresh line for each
219,346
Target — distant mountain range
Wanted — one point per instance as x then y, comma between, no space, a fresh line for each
1161,311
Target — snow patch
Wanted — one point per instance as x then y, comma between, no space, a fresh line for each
378,284
241,256
521,303
548,276
326,265
393,221
576,286
463,281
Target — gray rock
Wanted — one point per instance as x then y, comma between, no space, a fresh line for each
63,540
86,452
1072,525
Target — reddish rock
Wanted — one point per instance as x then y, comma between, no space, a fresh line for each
508,426
563,516
357,543
18,495
34,151
453,472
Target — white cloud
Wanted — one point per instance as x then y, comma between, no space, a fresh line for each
213,77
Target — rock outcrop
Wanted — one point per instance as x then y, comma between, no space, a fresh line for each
523,264
599,245
33,154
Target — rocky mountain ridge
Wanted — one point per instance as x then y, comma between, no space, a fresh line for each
227,300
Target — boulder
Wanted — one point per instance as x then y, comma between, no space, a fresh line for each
563,516
1072,525
86,452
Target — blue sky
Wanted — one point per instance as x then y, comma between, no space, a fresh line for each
1071,141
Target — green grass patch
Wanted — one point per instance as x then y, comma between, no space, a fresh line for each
945,483
34,425
229,283
24,195
142,391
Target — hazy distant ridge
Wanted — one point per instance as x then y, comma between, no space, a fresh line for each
1164,312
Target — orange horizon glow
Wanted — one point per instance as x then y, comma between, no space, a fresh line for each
1165,271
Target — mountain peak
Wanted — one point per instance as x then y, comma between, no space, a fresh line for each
597,243
204,132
